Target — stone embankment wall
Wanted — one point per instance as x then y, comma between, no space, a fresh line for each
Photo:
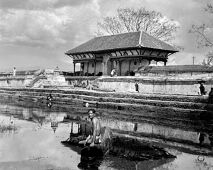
154,85
81,81
183,80
147,85
34,79
13,82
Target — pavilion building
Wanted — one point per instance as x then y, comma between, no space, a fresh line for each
124,52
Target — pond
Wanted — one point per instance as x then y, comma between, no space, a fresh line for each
30,138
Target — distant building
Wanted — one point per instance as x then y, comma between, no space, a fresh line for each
177,70
123,52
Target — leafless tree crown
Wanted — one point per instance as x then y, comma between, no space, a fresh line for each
202,34
131,20
201,31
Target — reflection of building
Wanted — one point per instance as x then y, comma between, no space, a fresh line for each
75,128
124,52
26,113
54,126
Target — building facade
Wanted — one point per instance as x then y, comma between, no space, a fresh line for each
123,52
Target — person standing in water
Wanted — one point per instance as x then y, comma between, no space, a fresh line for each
95,136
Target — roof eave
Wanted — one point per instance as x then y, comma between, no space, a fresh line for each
112,50
101,51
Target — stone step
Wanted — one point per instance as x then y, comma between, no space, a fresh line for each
178,104
181,98
156,102
66,99
158,108
145,109
169,117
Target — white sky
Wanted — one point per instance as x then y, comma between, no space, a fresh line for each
36,33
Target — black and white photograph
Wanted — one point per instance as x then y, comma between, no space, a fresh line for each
106,84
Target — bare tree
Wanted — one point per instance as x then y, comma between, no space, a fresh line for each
130,20
203,35
203,39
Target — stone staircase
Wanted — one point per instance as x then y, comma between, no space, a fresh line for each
151,106
175,112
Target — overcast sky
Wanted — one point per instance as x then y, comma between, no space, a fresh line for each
36,33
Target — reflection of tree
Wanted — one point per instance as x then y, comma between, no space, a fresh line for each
8,127
39,119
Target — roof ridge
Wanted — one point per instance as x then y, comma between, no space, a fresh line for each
117,34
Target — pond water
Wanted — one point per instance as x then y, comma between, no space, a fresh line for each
30,138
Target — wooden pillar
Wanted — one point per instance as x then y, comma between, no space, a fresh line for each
120,63
94,67
82,68
74,69
139,62
165,63
129,65
87,68
71,128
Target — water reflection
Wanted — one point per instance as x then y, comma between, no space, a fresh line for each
38,145
35,145
54,126
120,147
168,133
7,126
189,162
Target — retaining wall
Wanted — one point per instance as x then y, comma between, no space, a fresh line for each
154,85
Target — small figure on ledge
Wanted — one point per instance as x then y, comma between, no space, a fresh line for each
113,73
14,71
202,89
137,87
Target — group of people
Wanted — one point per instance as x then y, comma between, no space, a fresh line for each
49,100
